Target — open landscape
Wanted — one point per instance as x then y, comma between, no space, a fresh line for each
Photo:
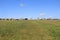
29,19
30,30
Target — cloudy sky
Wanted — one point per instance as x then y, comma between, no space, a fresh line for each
29,8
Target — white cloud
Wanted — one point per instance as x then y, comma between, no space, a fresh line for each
22,5
42,14
51,17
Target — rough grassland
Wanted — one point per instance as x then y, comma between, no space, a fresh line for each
30,30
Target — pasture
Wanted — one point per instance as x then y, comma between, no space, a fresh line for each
30,30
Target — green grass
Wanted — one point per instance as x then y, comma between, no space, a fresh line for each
30,30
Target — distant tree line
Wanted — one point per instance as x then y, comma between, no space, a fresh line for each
12,19
28,19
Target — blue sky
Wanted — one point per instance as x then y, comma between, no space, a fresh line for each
29,8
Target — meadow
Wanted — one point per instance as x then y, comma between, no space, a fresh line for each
30,30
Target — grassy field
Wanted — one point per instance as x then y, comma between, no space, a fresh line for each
30,30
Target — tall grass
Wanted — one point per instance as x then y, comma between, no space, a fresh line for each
30,30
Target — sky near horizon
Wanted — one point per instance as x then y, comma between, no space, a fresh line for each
29,8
